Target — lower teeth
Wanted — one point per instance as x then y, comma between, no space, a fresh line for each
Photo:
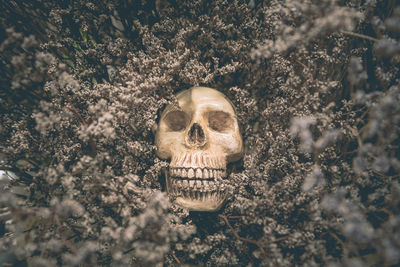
203,192
197,195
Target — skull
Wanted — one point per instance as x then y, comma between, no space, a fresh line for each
200,136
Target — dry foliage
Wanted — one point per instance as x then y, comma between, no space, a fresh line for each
317,91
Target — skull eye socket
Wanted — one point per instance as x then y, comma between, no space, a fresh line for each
220,121
176,120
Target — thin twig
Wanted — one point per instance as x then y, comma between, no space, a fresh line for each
281,238
306,68
83,121
386,176
63,238
357,135
361,118
223,217
360,35
73,108
235,217
350,152
385,210
346,248
176,258
340,241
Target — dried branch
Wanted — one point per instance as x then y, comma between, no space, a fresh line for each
255,242
360,35
235,217
306,68
73,108
176,258
83,121
63,238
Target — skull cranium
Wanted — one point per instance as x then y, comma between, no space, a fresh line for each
200,136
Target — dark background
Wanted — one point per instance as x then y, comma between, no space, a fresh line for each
316,88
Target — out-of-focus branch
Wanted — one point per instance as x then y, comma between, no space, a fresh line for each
80,117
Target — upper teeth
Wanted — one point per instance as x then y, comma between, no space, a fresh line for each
197,160
198,173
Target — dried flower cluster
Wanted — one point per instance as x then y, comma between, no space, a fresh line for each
317,91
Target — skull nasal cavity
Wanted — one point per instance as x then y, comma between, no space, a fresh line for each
196,135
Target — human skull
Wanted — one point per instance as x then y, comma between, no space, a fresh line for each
200,136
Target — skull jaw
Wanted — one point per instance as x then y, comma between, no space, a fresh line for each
208,201
199,205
